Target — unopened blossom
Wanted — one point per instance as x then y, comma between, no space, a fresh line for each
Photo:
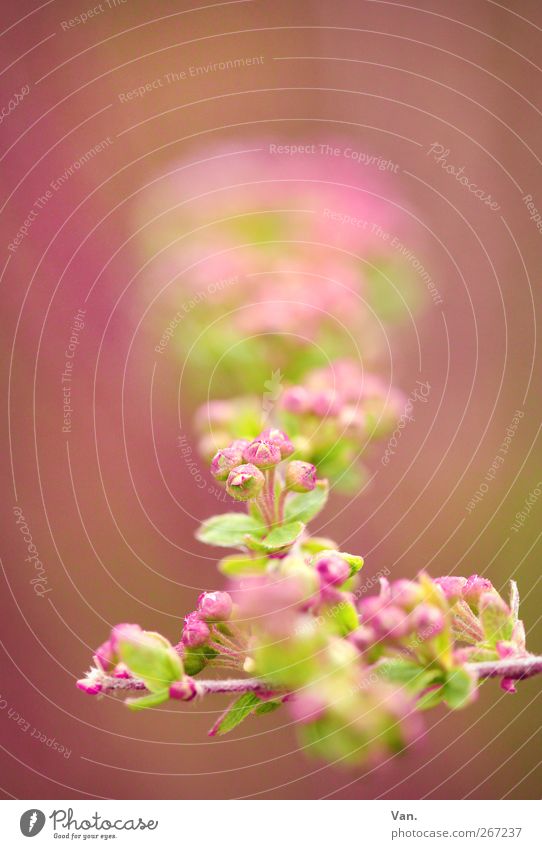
185,689
224,461
451,586
300,476
427,620
332,569
296,400
262,453
245,482
196,632
280,440
475,586
214,607
326,402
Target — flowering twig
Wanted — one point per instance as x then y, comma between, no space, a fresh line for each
516,668
295,621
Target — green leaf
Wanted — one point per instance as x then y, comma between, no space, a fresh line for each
242,564
496,619
283,536
152,700
148,658
236,713
229,529
304,506
255,544
267,707
354,561
458,688
345,618
413,677
430,699
313,545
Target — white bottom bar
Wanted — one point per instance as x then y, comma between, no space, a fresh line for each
268,824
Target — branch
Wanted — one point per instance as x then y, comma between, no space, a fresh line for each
110,684
515,667
232,685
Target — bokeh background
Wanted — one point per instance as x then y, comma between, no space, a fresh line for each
111,505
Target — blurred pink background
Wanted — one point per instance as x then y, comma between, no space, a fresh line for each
111,506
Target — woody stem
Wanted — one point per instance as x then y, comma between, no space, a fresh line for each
514,667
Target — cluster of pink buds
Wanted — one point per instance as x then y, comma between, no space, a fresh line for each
358,402
209,635
404,617
248,470
212,608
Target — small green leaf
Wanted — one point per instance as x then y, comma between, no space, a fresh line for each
238,565
414,677
313,545
345,618
229,529
497,621
354,561
254,543
458,688
148,658
283,536
267,707
430,699
152,700
236,713
304,506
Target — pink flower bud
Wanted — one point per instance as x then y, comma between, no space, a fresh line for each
451,586
474,588
363,637
508,685
214,607
333,570
185,690
427,620
370,607
326,403
245,482
405,593
391,622
262,454
300,476
279,439
295,400
224,461
195,632
240,444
